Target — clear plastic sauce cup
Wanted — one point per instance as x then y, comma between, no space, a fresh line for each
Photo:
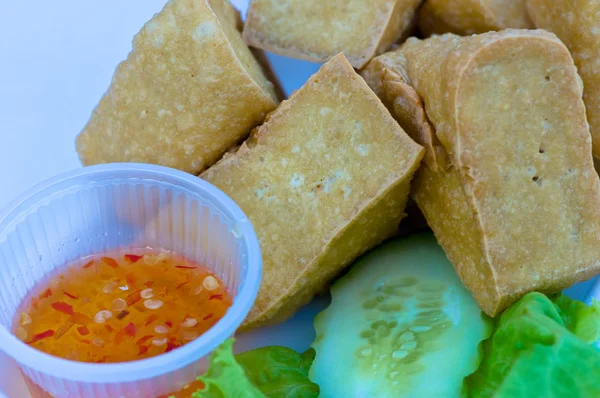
114,207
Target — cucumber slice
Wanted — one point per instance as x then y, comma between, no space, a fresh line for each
400,324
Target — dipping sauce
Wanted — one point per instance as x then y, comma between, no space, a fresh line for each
122,307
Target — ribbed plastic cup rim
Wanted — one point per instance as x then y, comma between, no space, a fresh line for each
164,363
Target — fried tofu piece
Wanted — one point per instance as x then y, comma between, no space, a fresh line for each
577,24
189,90
387,76
466,17
515,201
316,30
324,179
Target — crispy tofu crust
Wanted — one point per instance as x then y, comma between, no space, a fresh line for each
324,179
269,72
189,90
577,24
517,206
386,75
316,30
466,17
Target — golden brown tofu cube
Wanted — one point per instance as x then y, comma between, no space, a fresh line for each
577,24
316,30
324,179
508,186
466,17
189,90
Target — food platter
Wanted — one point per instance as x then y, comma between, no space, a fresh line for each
112,45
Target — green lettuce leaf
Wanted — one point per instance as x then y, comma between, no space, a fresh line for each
225,377
532,352
273,372
280,372
582,320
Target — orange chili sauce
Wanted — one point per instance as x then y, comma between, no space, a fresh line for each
121,307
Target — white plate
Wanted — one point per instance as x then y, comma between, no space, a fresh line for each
57,60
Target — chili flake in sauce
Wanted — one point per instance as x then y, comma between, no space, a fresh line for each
122,307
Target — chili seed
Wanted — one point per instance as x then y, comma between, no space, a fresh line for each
109,287
153,304
150,259
25,319
159,342
189,335
102,316
161,329
189,322
21,333
197,290
210,283
147,293
119,304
